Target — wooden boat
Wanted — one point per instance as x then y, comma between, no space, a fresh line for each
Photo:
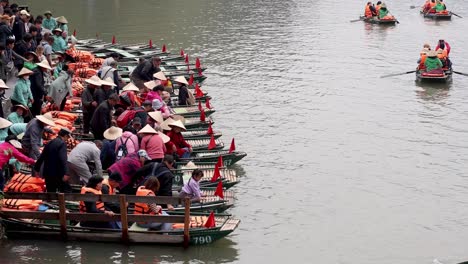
202,144
191,111
32,224
228,177
212,156
200,134
445,76
194,123
437,16
375,20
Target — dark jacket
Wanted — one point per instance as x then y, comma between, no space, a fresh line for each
183,95
54,158
37,84
144,71
165,177
107,153
18,29
101,119
100,95
5,33
87,97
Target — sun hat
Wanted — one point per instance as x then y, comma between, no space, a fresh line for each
94,80
147,130
190,165
112,133
156,116
151,84
164,138
44,64
108,81
424,51
4,123
144,154
432,53
3,85
20,136
24,12
160,76
15,143
165,124
178,124
21,106
179,117
45,120
57,29
62,20
130,87
181,79
47,12
24,71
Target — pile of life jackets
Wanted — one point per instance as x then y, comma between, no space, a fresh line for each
195,222
24,183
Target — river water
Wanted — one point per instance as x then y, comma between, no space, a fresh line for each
342,166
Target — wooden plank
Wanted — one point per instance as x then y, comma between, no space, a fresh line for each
92,197
29,215
187,222
62,216
123,218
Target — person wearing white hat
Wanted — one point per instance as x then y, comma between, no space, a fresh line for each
22,92
49,22
432,61
110,71
4,125
18,115
3,88
54,159
153,143
88,101
108,146
19,25
155,119
62,24
38,86
9,150
184,97
103,93
33,135
59,43
183,149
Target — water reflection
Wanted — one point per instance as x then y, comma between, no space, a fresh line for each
433,92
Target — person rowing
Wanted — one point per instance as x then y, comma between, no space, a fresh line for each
369,10
433,63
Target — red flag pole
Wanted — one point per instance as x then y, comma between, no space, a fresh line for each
151,43
210,222
212,143
164,49
232,148
219,190
113,40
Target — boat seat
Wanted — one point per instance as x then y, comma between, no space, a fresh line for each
135,227
78,225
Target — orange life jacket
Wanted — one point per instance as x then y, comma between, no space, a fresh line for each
99,204
22,204
143,208
432,4
111,189
25,183
377,8
195,221
367,11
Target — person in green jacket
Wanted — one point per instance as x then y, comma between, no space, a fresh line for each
62,24
440,7
383,12
59,44
18,115
432,62
49,22
22,93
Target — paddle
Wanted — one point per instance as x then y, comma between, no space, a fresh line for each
455,14
397,74
356,20
412,7
461,73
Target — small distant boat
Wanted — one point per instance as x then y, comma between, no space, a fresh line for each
438,16
444,76
375,20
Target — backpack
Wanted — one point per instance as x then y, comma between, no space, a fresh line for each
122,149
126,117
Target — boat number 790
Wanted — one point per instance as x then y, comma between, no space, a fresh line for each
200,240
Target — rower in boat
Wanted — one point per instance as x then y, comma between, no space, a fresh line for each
433,63
378,6
369,10
439,7
384,13
423,55
443,45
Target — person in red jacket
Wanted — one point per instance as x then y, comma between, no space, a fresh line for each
8,149
183,148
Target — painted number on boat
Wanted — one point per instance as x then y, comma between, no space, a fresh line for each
178,179
200,240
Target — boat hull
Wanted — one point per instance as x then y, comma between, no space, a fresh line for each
436,16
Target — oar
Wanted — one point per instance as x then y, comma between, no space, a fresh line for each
397,74
461,73
412,7
455,14
356,20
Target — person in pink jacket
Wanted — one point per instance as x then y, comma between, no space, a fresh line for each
131,143
153,143
8,149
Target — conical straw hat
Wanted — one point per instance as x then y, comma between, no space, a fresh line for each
16,143
94,80
4,123
178,124
190,165
108,81
179,117
44,64
181,79
165,124
62,19
24,71
147,130
3,85
160,76
164,138
151,84
156,116
113,133
45,120
131,87
20,136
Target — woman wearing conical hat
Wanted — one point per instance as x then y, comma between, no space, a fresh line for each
183,148
22,92
62,23
17,116
432,61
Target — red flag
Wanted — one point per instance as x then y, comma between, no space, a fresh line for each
164,48
74,32
220,162
210,130
190,81
219,190
207,103
202,115
210,222
151,43
200,73
186,59
197,64
199,106
198,91
212,144
216,174
113,40
233,146
182,53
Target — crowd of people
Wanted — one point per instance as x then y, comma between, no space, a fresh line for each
137,137
378,10
434,6
435,60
